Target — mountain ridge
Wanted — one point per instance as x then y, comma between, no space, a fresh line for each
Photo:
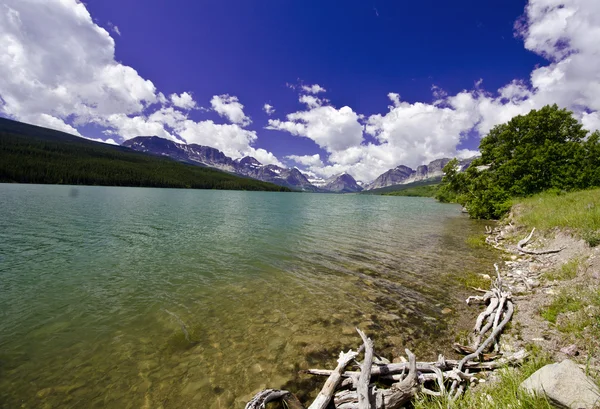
292,178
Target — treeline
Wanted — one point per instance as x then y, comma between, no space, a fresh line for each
30,154
545,150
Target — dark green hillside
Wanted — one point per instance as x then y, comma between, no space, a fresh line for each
32,154
425,188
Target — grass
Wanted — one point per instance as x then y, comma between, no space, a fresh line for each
469,279
477,241
564,302
578,212
504,393
576,311
567,271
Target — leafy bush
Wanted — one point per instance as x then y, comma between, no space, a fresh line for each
546,149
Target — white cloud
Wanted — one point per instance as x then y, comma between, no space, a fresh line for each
51,122
313,89
330,128
263,156
56,61
129,127
395,98
109,141
114,28
183,101
228,106
563,31
307,160
232,139
269,109
58,69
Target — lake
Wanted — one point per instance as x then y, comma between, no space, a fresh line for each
117,297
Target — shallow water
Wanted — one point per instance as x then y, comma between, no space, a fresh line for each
160,298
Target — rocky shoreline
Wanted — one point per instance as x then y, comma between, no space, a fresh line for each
559,264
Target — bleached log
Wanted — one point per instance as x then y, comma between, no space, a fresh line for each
362,388
488,311
491,338
393,369
521,244
393,398
326,393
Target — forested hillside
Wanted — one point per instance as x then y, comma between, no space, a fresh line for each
31,154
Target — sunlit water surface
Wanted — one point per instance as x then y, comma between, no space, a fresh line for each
159,298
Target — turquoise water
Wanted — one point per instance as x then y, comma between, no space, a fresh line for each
161,298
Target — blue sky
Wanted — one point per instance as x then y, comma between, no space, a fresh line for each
398,82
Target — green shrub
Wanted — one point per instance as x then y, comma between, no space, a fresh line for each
545,150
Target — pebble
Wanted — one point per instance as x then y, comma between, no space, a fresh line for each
446,311
570,350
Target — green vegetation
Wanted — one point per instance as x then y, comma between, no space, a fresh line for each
567,271
563,302
546,149
504,393
413,186
469,279
575,312
417,191
578,212
30,154
477,241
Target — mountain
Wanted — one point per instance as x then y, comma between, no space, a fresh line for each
403,174
33,154
193,154
207,156
343,183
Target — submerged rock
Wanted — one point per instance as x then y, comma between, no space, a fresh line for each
565,384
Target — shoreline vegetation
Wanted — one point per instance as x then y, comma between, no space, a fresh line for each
31,154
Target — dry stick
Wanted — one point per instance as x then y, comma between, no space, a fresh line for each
523,242
393,398
439,377
393,369
483,331
333,381
489,310
495,333
362,388
497,318
260,400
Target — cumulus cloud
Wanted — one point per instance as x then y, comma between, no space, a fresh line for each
313,89
183,101
307,160
269,109
562,31
58,70
229,107
331,128
57,61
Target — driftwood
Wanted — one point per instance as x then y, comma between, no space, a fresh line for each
261,399
333,381
521,244
381,385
